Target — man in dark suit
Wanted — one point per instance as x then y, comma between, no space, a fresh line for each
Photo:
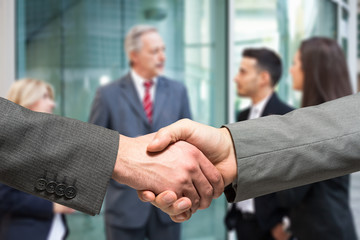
260,70
139,103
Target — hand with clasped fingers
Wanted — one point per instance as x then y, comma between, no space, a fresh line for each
215,143
179,167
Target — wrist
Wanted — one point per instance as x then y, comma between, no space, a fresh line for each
119,173
230,173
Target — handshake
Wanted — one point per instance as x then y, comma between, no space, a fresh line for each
184,166
179,169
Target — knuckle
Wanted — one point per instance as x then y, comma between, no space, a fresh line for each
184,121
183,180
209,193
190,166
196,203
217,178
205,204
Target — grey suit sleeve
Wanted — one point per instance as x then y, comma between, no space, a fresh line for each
36,146
307,145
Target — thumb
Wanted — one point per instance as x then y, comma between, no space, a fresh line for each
146,196
167,135
161,140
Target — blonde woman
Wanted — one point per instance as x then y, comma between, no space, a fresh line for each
24,216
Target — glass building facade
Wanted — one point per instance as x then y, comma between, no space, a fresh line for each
77,45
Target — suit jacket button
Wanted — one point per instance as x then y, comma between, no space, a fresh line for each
41,184
50,187
70,192
60,189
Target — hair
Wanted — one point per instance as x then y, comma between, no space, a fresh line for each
27,92
326,75
133,38
267,60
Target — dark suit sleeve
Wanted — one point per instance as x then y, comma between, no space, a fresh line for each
18,203
36,146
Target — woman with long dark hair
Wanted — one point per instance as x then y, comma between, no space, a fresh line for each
320,210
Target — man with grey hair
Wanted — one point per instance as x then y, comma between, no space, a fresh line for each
139,103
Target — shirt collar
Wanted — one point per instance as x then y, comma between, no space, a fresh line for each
259,107
138,80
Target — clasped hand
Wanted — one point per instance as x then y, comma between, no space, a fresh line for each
179,169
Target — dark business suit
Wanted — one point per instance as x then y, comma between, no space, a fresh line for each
117,106
312,144
24,216
267,214
320,210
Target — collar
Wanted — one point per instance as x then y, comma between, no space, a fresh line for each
138,80
257,109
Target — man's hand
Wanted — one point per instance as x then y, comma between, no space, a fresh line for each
179,210
215,143
279,232
58,208
180,168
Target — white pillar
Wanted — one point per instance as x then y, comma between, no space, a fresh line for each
352,52
230,54
7,45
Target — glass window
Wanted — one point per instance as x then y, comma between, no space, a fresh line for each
78,46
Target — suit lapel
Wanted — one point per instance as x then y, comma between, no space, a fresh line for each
128,89
243,115
271,106
269,109
161,96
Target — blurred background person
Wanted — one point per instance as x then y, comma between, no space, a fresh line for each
259,72
320,210
24,216
141,102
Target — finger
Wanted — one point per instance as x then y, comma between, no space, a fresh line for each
181,217
192,194
170,134
163,138
179,207
167,201
213,176
208,181
204,190
146,196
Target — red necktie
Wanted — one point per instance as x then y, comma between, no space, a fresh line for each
147,103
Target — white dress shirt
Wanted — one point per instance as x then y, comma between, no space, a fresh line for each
139,85
255,112
57,230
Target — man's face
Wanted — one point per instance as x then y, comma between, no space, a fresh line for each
149,61
247,79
